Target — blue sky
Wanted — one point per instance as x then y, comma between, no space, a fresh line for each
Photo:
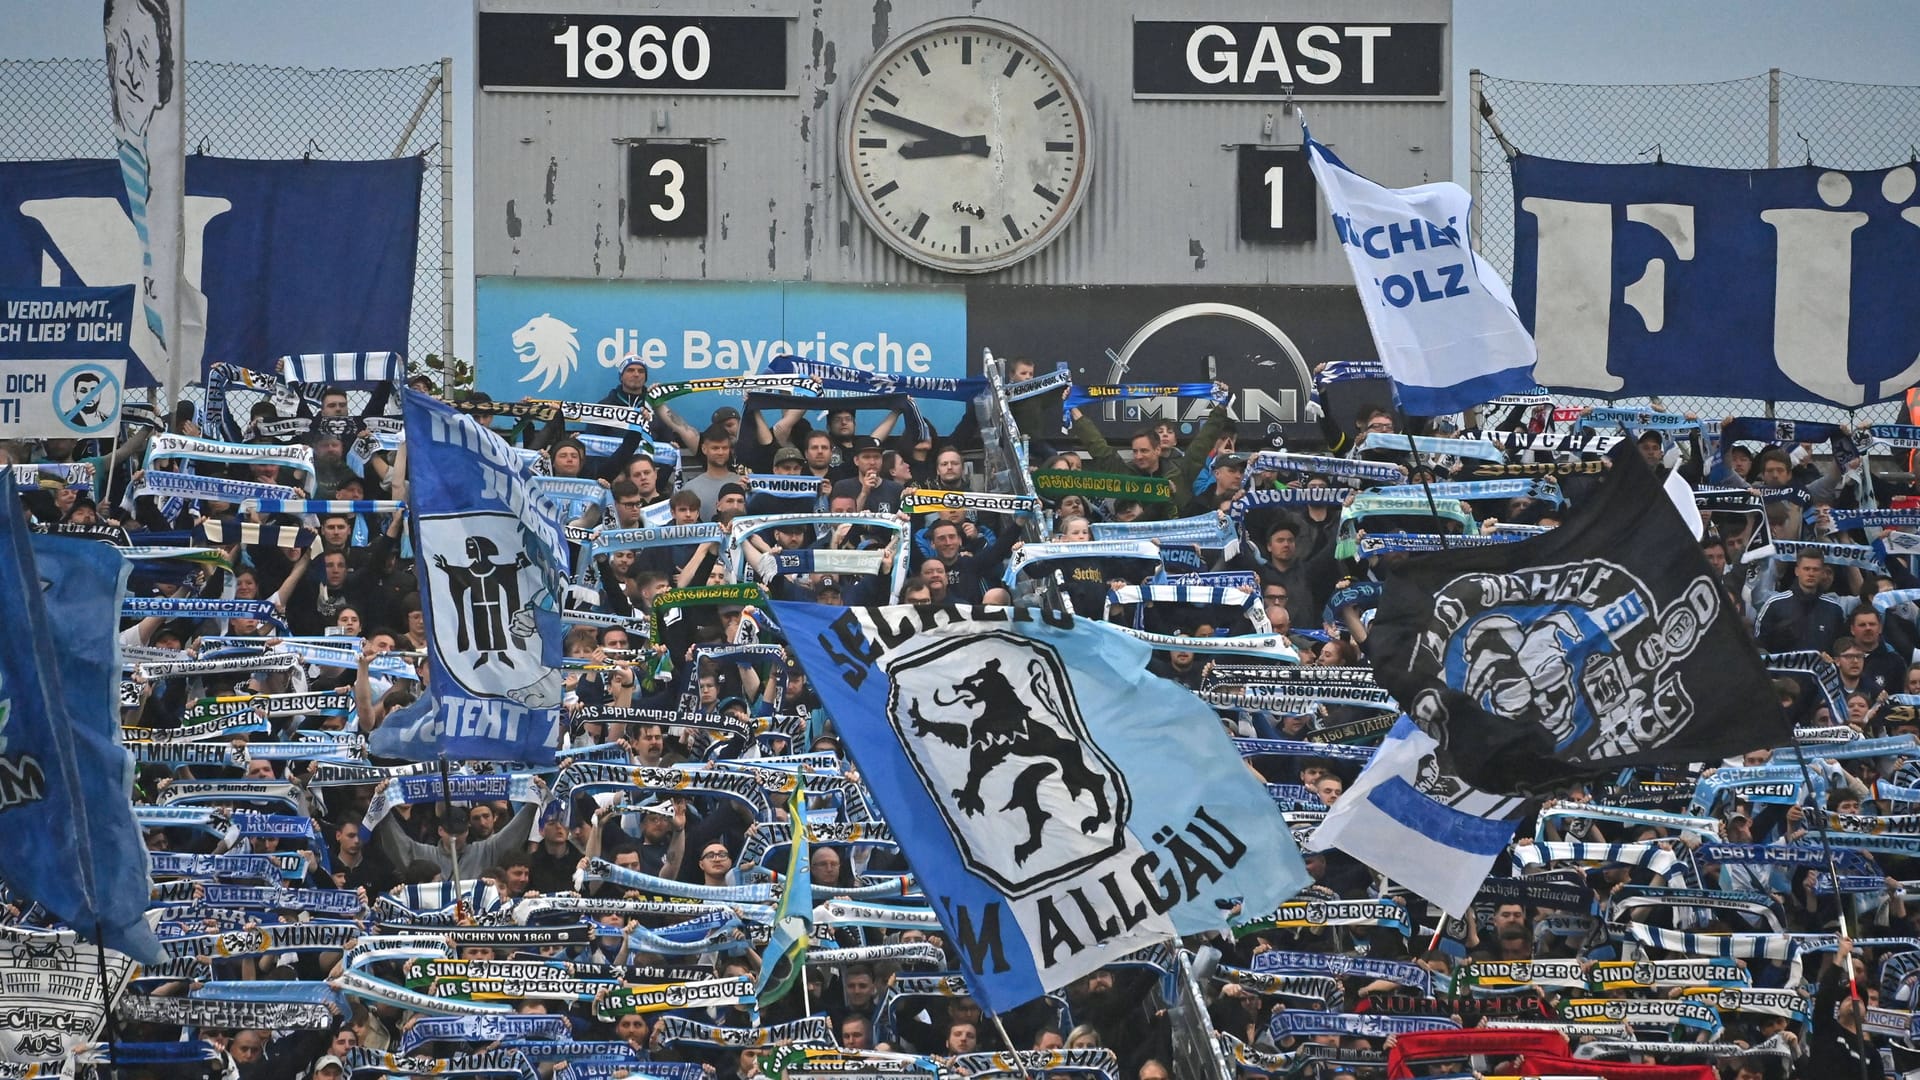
1622,41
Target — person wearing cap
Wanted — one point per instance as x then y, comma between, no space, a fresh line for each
873,493
631,392
731,502
716,455
1226,482
726,416
787,461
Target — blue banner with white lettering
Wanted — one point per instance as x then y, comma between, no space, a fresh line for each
39,323
65,782
492,564
282,257
1779,284
1024,760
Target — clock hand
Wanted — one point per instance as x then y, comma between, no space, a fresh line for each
928,148
911,127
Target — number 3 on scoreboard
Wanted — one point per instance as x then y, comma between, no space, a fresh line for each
667,188
676,203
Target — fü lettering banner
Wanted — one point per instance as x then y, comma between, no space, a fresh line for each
1021,756
1778,284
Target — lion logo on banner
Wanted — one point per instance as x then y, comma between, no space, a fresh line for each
991,726
550,346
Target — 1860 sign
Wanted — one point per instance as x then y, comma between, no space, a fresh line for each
1252,59
689,54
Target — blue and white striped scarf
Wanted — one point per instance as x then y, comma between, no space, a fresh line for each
135,171
839,377
330,369
1385,472
1375,544
1860,555
1040,384
1279,962
1637,419
602,870
1297,1023
1350,371
326,506
714,931
169,607
1901,436
1541,490
1398,442
178,488
1660,862
1204,530
361,985
1293,496
485,1029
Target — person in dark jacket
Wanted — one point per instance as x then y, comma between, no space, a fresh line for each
1836,1048
1804,617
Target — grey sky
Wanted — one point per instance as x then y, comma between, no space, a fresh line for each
1638,41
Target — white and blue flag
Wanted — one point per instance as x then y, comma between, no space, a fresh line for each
1060,805
1421,828
1443,322
491,560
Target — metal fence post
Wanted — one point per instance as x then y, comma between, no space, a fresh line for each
1474,160
1773,118
446,210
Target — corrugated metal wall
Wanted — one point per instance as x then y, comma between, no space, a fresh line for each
549,188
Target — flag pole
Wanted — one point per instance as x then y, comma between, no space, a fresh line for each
1433,507
1007,1041
1833,870
111,1029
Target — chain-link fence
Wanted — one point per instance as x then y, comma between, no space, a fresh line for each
1753,123
52,109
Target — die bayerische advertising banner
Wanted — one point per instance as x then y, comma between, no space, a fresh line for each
567,340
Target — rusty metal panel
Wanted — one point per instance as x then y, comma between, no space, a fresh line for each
550,185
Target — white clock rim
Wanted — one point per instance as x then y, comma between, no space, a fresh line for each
1031,244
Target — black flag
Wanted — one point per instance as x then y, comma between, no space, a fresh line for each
1602,644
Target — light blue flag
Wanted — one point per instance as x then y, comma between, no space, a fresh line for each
492,563
1060,805
1443,322
65,782
1421,828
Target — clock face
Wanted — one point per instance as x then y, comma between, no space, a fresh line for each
966,145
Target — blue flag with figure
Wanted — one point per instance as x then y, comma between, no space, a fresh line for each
1060,805
65,782
491,558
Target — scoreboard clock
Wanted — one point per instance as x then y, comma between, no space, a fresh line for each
966,145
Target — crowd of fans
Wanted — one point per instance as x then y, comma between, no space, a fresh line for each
346,584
